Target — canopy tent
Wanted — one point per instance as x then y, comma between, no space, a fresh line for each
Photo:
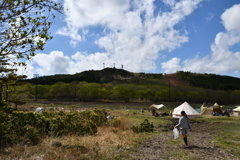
154,106
236,111
191,113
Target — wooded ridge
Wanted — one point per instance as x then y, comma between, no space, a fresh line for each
110,75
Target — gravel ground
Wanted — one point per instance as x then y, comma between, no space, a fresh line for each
163,146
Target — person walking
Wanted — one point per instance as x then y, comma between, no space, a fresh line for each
184,126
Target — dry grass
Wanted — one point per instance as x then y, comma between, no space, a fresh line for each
106,144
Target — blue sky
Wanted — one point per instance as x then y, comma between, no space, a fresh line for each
152,36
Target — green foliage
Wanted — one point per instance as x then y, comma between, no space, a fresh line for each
24,27
18,126
98,116
210,81
104,76
121,92
31,135
145,126
128,87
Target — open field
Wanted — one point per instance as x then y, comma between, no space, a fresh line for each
212,137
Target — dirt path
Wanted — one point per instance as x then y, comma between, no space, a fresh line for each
163,146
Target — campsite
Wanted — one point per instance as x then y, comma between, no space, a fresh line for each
213,137
119,80
118,118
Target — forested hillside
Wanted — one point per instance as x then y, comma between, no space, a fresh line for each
106,75
99,76
111,84
209,81
114,75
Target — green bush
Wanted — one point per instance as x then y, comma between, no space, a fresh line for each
19,126
31,135
97,116
145,126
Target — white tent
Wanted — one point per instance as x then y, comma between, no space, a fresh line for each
157,106
191,113
39,110
236,111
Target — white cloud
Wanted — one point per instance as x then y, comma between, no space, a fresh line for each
71,32
43,64
57,63
134,35
172,65
209,17
222,59
169,2
231,18
73,43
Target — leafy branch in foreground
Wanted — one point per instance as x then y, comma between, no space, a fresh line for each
24,29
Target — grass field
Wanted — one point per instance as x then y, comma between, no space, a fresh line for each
116,140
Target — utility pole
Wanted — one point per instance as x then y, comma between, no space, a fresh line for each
36,90
169,91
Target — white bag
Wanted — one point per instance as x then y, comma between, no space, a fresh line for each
175,133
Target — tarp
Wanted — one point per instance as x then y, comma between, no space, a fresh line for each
191,113
157,106
198,110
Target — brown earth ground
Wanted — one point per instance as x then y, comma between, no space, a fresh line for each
173,79
163,145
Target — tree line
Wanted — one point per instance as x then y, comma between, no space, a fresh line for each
122,92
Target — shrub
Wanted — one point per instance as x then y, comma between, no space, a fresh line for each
19,126
31,135
97,116
118,122
145,126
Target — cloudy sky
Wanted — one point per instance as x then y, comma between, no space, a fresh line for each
151,36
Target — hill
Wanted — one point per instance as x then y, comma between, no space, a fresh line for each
208,81
111,75
106,75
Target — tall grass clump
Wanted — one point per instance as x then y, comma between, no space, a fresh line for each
118,123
